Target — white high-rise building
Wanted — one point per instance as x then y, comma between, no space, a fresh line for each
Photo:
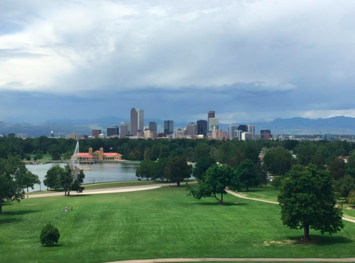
213,122
251,129
140,120
247,136
231,130
123,130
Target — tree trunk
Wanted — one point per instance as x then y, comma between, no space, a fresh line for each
221,202
68,192
306,233
247,189
0,206
178,184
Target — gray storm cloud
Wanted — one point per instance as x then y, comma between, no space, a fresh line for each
273,58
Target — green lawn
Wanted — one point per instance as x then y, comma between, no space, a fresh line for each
118,184
161,223
266,192
46,157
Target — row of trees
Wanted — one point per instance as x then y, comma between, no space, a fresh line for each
278,162
227,152
66,178
14,178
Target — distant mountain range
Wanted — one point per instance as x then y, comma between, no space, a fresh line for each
295,126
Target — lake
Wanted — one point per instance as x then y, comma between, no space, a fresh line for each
100,172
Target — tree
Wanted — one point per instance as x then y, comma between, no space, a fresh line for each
27,179
67,179
145,169
76,185
307,201
53,177
159,168
178,169
248,174
344,185
14,177
337,169
202,166
351,197
215,182
277,161
164,152
49,235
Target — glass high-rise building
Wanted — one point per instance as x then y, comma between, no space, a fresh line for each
202,127
112,131
123,130
153,126
134,122
169,127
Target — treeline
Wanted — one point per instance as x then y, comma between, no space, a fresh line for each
227,152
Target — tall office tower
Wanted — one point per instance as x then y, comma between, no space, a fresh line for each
213,124
251,129
95,133
211,114
140,120
237,135
134,122
153,126
169,127
243,128
112,131
191,129
123,130
231,131
202,127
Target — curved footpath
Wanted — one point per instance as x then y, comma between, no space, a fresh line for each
271,202
102,191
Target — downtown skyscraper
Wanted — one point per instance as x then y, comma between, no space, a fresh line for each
137,121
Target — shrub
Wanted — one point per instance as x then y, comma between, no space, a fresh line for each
49,235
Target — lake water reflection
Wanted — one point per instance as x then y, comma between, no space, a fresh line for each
100,172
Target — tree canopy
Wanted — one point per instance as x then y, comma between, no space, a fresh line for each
307,201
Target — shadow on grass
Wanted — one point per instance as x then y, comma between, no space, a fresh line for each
20,212
52,246
81,195
319,240
218,204
9,220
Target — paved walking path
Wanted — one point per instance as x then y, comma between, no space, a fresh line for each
103,191
162,260
271,202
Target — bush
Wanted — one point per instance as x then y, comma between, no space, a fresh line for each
49,235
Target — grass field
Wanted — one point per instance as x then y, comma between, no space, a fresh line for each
156,224
267,192
46,157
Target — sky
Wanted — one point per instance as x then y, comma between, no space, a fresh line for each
249,60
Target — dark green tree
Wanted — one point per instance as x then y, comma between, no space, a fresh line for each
202,166
159,169
248,175
53,177
337,169
145,169
49,235
178,170
344,185
307,201
215,182
277,161
66,179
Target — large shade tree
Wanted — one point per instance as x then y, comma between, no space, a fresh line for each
248,174
307,201
215,182
14,178
178,170
277,161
